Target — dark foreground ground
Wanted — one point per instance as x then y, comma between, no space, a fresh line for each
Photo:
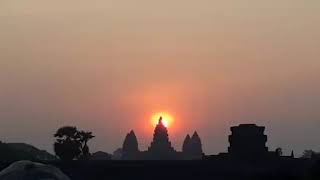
179,170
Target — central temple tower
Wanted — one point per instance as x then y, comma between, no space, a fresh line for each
161,146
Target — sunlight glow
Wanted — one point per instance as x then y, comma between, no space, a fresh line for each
167,118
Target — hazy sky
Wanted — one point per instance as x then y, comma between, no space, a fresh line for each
107,66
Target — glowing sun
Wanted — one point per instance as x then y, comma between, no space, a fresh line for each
167,119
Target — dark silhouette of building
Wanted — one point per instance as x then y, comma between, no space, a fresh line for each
248,157
130,148
196,146
248,141
186,149
161,147
192,147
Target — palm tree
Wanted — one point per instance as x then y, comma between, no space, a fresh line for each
84,138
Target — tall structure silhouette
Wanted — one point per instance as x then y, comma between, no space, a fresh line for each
161,147
161,144
196,146
248,141
192,147
186,145
130,148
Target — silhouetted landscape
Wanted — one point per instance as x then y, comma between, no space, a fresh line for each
247,158
159,89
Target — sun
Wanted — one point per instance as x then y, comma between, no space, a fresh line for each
167,118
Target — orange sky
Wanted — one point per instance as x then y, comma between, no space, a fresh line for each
106,66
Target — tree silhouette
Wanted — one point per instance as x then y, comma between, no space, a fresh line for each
279,152
68,144
72,143
309,154
84,138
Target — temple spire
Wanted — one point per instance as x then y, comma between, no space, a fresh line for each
161,145
160,120
292,154
130,146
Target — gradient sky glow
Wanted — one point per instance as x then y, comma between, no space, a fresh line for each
107,66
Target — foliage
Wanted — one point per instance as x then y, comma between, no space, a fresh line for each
71,143
309,154
279,151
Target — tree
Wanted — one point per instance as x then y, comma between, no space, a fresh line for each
279,152
67,145
84,138
309,154
71,143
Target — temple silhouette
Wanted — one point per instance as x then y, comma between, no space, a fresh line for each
248,142
161,148
247,157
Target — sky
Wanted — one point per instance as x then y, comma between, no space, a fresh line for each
107,66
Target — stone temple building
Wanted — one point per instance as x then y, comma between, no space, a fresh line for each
161,148
192,147
130,148
248,142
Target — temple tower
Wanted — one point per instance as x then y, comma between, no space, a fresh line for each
186,145
196,146
248,141
192,147
130,148
161,146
